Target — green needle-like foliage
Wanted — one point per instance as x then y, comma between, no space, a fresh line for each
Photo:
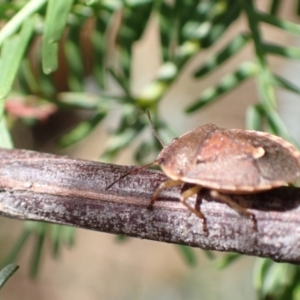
54,28
7,272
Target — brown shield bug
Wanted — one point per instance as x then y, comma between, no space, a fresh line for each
226,161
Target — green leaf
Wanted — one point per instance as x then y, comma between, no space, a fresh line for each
274,7
61,235
5,138
81,100
121,80
178,16
118,142
156,89
282,24
7,272
277,125
99,54
229,50
81,130
7,10
121,238
288,52
41,231
91,2
56,235
188,255
15,251
167,28
283,83
131,124
56,18
135,17
227,83
254,118
274,280
75,63
69,235
296,291
20,18
208,21
209,254
227,260
143,151
231,10
260,270
27,80
12,52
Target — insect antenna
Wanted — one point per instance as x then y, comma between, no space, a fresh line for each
153,128
135,170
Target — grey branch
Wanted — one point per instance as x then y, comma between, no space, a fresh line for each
61,190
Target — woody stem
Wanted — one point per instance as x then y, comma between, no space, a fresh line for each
60,190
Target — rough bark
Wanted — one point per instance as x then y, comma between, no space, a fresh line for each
61,190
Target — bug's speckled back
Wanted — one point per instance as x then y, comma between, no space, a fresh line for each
230,160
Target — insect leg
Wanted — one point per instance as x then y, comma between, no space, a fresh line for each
164,185
188,193
235,206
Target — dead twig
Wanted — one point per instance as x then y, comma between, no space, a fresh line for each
61,190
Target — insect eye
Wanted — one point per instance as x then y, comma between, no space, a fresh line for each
161,161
